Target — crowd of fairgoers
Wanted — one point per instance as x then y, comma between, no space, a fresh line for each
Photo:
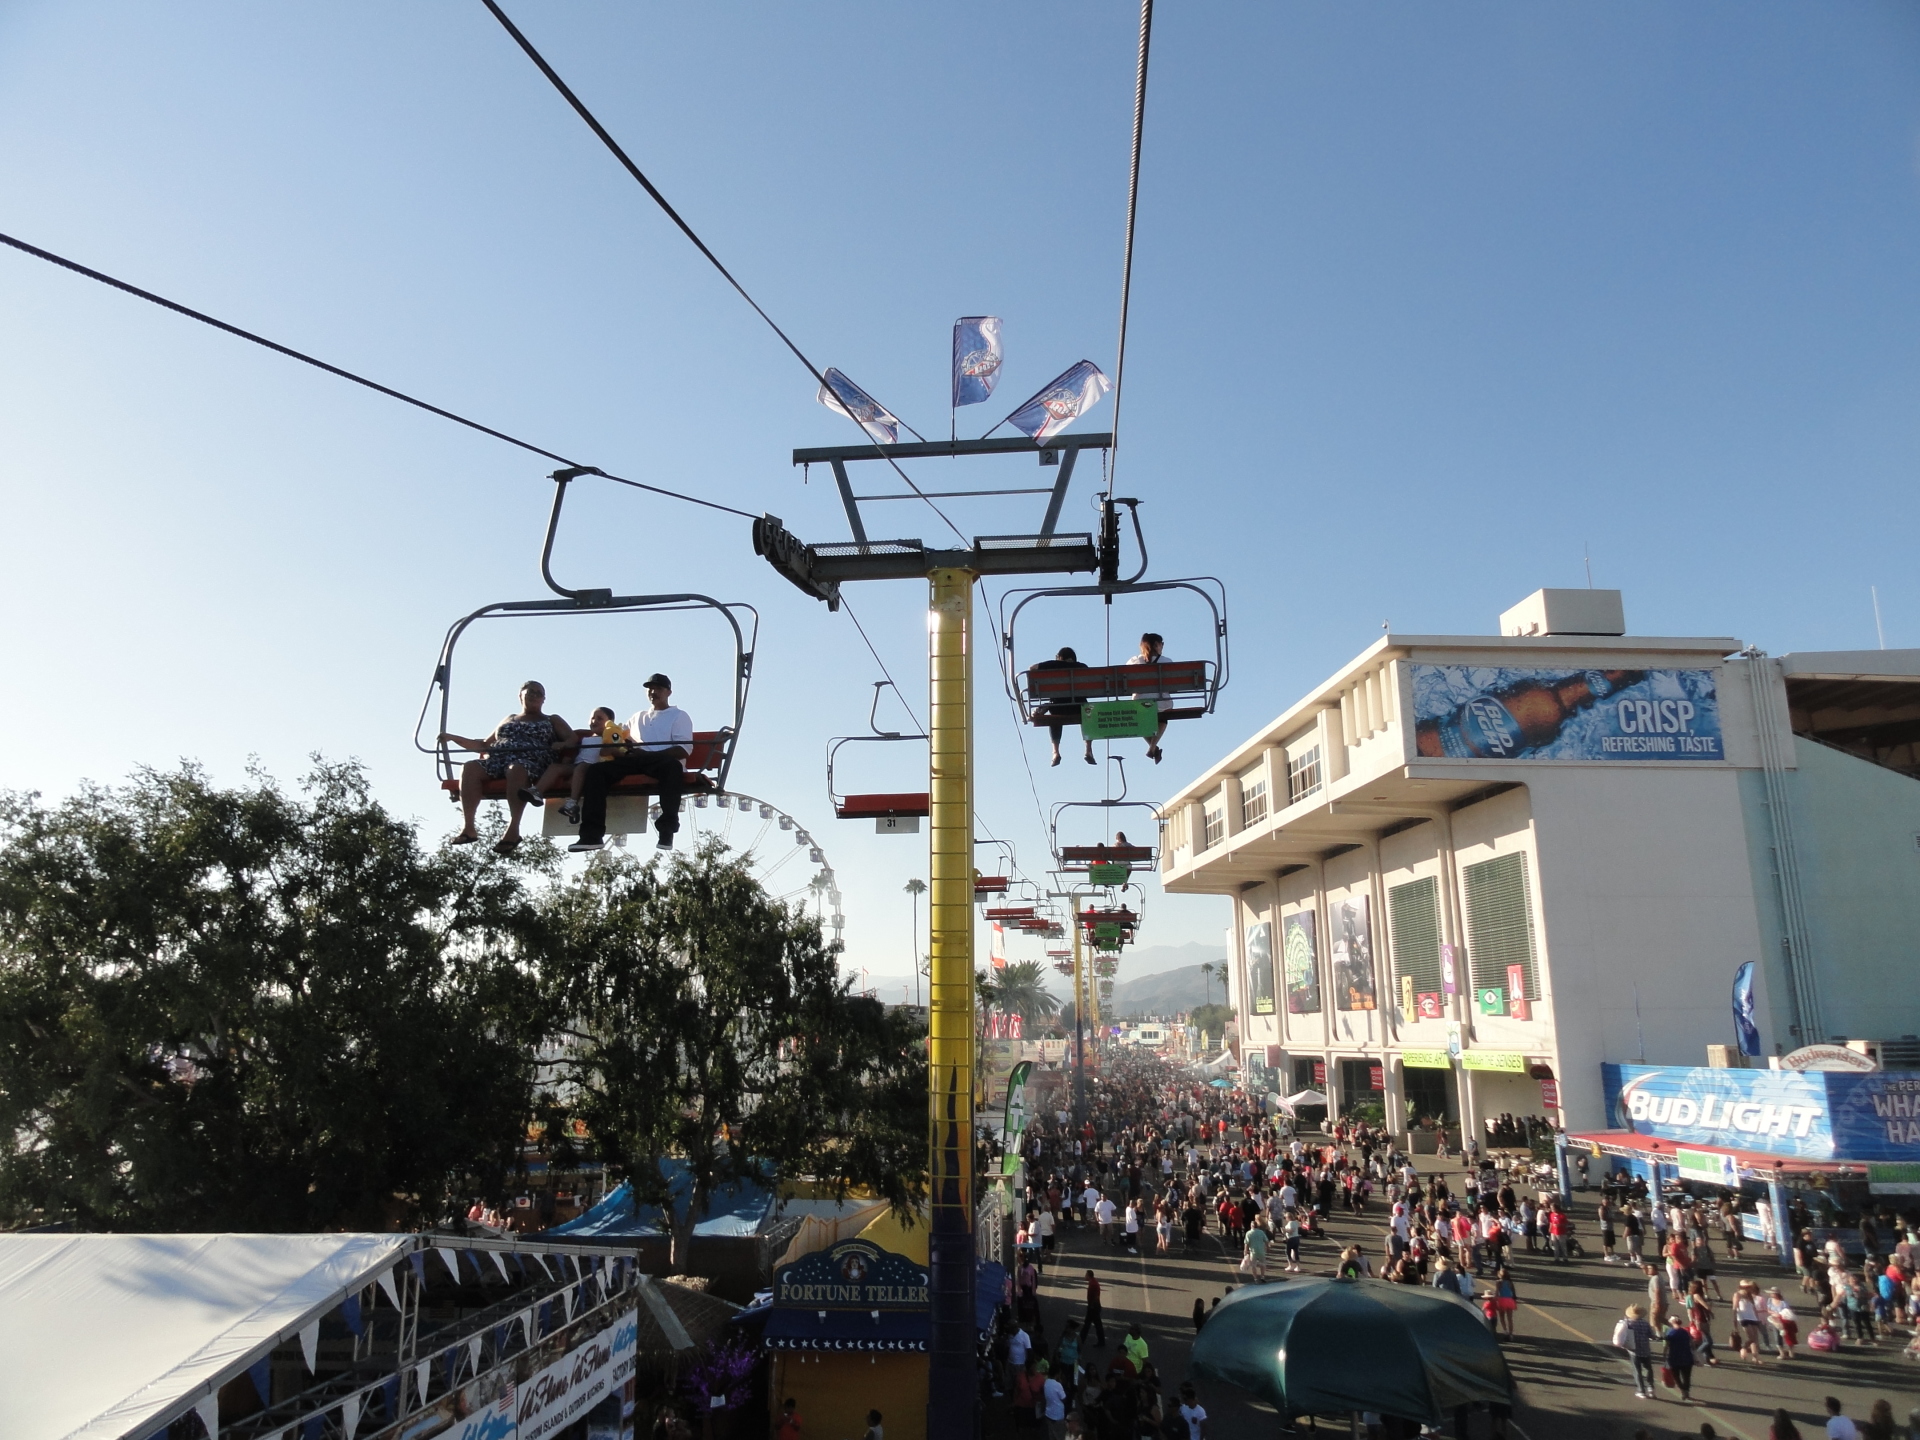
1163,1160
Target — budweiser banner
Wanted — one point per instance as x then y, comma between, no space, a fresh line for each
1474,712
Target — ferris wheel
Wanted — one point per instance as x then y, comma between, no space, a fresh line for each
782,854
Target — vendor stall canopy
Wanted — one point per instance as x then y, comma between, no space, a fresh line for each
116,1330
739,1207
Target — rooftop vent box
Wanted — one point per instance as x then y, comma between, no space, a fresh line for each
1566,612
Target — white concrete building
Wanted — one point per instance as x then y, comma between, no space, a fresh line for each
1467,864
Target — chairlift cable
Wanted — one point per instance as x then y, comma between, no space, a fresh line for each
318,364
1133,203
666,206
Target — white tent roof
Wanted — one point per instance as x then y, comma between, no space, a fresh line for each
1307,1097
106,1335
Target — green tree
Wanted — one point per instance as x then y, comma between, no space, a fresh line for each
1212,1022
708,1023
1022,990
243,1009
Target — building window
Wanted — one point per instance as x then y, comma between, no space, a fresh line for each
1253,804
1413,912
1214,829
1303,774
1500,923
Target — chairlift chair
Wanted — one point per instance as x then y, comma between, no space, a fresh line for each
880,808
1114,857
1047,696
711,756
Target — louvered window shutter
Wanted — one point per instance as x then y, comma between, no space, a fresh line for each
1499,922
1413,910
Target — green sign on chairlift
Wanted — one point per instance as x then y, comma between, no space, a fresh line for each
1106,930
1109,872
1118,719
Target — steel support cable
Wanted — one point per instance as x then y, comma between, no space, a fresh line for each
666,206
374,385
1133,205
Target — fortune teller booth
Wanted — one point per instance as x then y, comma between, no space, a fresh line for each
848,1327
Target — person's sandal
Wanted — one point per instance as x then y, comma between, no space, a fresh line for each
506,844
464,839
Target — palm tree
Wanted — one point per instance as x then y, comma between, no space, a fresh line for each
916,887
1206,975
1021,991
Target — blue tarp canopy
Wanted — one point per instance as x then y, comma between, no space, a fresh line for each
734,1210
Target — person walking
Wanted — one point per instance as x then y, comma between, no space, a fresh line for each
1254,1262
1679,1358
1635,1336
1506,1300
1656,1295
1094,1324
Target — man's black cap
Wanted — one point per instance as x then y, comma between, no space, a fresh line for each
657,679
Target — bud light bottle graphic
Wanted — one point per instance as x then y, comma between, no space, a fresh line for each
1517,717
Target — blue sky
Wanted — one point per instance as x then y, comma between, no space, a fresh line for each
1427,300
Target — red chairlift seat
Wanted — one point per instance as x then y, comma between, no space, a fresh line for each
702,765
1080,857
1010,912
1037,923
989,885
881,807
1124,917
1073,686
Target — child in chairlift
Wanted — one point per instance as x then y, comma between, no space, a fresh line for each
589,743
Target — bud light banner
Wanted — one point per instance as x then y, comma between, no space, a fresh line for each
1474,712
1808,1114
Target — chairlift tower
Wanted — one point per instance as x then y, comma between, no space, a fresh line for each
820,570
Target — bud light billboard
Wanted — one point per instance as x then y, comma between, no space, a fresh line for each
1480,712
1808,1114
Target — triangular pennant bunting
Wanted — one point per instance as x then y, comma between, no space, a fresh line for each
452,1257
208,1410
391,1287
501,1261
419,1263
473,1354
421,1374
261,1373
566,1301
350,1415
310,1343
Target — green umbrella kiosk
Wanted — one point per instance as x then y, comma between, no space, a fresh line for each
1338,1347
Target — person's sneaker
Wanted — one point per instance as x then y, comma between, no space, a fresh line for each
570,811
580,845
665,842
531,795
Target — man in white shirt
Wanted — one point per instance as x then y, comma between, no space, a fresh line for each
663,737
1839,1427
1104,1212
1089,1202
1053,1406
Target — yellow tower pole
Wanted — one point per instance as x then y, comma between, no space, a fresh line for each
1081,1020
952,1392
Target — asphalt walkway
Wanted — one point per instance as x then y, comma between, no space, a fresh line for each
1573,1385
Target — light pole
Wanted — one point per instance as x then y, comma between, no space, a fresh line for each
916,887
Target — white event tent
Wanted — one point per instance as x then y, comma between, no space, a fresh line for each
111,1336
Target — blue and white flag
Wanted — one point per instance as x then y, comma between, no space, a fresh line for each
1060,402
1743,1023
976,358
844,397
